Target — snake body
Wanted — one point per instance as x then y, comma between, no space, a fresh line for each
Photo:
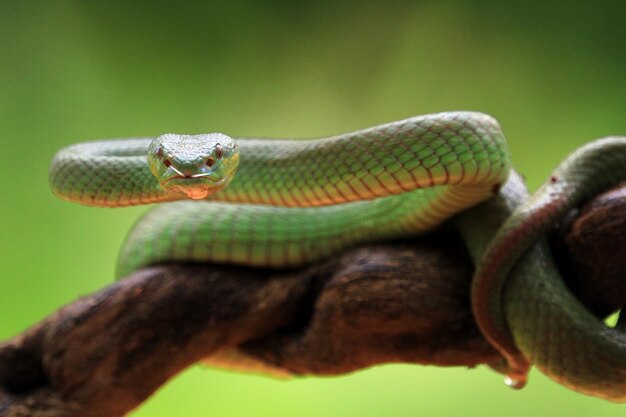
292,202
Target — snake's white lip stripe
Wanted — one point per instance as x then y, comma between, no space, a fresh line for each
181,176
177,171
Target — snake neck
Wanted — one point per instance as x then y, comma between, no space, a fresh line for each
110,173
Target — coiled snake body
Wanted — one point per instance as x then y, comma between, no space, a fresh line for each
292,202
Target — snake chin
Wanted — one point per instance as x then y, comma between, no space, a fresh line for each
194,188
197,194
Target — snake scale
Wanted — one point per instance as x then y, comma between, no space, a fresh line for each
286,203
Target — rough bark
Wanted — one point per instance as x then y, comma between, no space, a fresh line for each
407,301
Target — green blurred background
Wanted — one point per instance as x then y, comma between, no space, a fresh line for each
552,72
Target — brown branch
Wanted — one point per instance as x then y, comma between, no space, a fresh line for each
397,302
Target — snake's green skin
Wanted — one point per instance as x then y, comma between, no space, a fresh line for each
292,202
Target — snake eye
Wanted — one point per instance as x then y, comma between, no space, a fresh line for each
219,152
210,161
160,152
167,163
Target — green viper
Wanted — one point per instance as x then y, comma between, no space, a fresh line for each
285,203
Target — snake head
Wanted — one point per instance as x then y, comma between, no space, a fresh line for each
193,165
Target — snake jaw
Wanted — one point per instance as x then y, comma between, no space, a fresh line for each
196,186
196,194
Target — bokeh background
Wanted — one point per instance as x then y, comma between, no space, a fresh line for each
552,72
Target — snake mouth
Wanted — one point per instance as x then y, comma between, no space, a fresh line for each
181,175
188,178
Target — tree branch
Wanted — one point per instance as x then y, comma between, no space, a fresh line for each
105,353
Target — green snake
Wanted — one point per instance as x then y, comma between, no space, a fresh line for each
284,203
